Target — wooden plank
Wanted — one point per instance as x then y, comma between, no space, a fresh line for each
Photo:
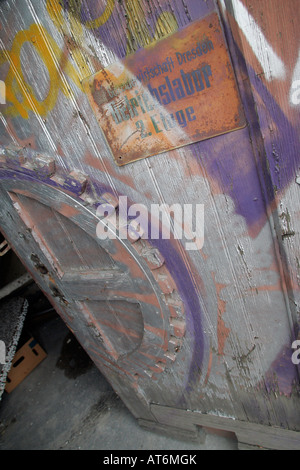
195,435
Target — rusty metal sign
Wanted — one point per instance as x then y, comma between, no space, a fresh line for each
178,91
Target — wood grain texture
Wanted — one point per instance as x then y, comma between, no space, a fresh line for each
246,433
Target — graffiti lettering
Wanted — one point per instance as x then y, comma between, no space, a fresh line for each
19,93
201,49
55,10
166,22
94,24
138,31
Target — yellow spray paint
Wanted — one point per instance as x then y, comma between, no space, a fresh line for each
19,94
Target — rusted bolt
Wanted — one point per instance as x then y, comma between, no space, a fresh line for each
75,182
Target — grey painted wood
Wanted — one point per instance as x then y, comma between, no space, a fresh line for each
248,433
239,293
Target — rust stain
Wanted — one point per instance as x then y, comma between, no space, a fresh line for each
168,95
68,211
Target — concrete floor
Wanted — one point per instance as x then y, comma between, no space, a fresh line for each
66,403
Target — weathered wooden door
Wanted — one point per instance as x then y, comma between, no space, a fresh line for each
187,337
119,299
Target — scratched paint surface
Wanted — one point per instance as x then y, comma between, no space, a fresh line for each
273,75
241,291
168,95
